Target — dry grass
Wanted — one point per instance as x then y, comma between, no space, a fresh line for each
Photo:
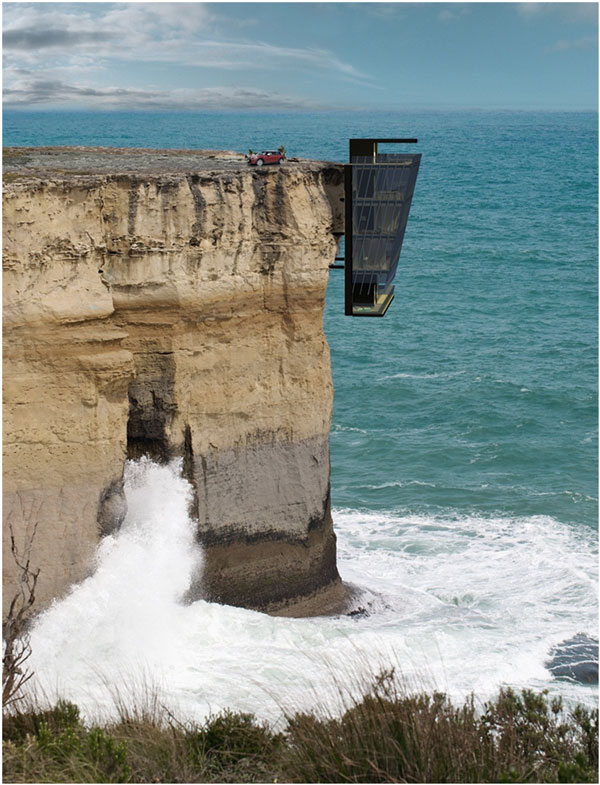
391,737
385,736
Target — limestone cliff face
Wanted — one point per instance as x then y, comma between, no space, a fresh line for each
174,313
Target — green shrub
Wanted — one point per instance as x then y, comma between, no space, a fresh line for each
383,737
55,745
230,737
16,726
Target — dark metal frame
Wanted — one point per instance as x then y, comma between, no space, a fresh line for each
362,147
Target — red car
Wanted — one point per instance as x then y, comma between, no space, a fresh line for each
266,157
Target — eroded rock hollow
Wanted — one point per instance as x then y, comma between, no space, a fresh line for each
171,304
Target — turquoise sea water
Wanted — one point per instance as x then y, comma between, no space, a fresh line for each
477,392
464,434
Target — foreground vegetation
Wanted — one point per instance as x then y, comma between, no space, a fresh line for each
384,737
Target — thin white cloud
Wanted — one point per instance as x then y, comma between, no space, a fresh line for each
34,91
570,12
385,11
152,18
529,9
565,44
151,32
451,14
232,54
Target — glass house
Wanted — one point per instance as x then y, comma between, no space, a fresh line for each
378,194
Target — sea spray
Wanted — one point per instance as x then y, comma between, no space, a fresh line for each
454,603
123,620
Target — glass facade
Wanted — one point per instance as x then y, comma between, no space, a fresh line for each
381,187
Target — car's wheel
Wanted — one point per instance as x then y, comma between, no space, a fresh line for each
280,161
260,162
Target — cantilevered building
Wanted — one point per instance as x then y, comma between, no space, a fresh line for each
379,189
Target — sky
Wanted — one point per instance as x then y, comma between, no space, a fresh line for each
300,56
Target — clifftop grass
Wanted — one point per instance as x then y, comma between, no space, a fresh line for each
384,737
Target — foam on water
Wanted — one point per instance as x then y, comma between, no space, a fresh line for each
425,376
458,603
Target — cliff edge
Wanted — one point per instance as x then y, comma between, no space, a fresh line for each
170,303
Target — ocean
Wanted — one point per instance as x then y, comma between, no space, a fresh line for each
463,442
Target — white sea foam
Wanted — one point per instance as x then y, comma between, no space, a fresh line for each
398,484
460,604
346,428
449,375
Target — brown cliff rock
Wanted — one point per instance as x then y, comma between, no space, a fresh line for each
155,308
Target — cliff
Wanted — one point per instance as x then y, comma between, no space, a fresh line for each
170,303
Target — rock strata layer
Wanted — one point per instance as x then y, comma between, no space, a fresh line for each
171,310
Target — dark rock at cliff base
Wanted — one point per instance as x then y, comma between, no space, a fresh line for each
575,660
359,613
112,508
363,603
